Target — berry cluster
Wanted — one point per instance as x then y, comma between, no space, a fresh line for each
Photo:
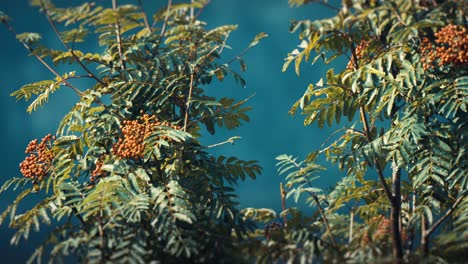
270,228
134,134
450,47
383,227
360,52
37,164
97,172
381,231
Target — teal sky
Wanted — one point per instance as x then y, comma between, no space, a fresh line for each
270,133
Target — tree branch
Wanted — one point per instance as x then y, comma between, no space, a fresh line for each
430,230
395,214
230,140
191,10
394,198
365,123
54,27
145,17
351,222
119,37
201,10
163,29
326,4
283,203
187,108
324,218
29,48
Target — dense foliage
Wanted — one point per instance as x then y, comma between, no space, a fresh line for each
126,179
400,106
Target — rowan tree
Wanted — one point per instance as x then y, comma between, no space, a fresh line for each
399,109
125,178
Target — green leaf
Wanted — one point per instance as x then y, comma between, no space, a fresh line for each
28,90
42,98
29,37
257,39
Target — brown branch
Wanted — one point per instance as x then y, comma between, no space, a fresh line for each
367,130
334,8
191,10
283,203
145,17
397,15
430,230
166,19
168,193
54,27
29,48
351,222
424,237
100,226
201,10
238,56
324,218
187,108
394,198
385,186
119,37
395,215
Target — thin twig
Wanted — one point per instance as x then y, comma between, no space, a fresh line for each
187,108
224,43
191,10
119,37
80,77
365,124
386,188
331,136
201,10
351,222
29,48
145,17
324,218
334,8
238,56
166,19
100,226
397,15
283,203
230,140
430,230
395,214
168,193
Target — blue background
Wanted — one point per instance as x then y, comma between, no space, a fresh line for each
271,131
